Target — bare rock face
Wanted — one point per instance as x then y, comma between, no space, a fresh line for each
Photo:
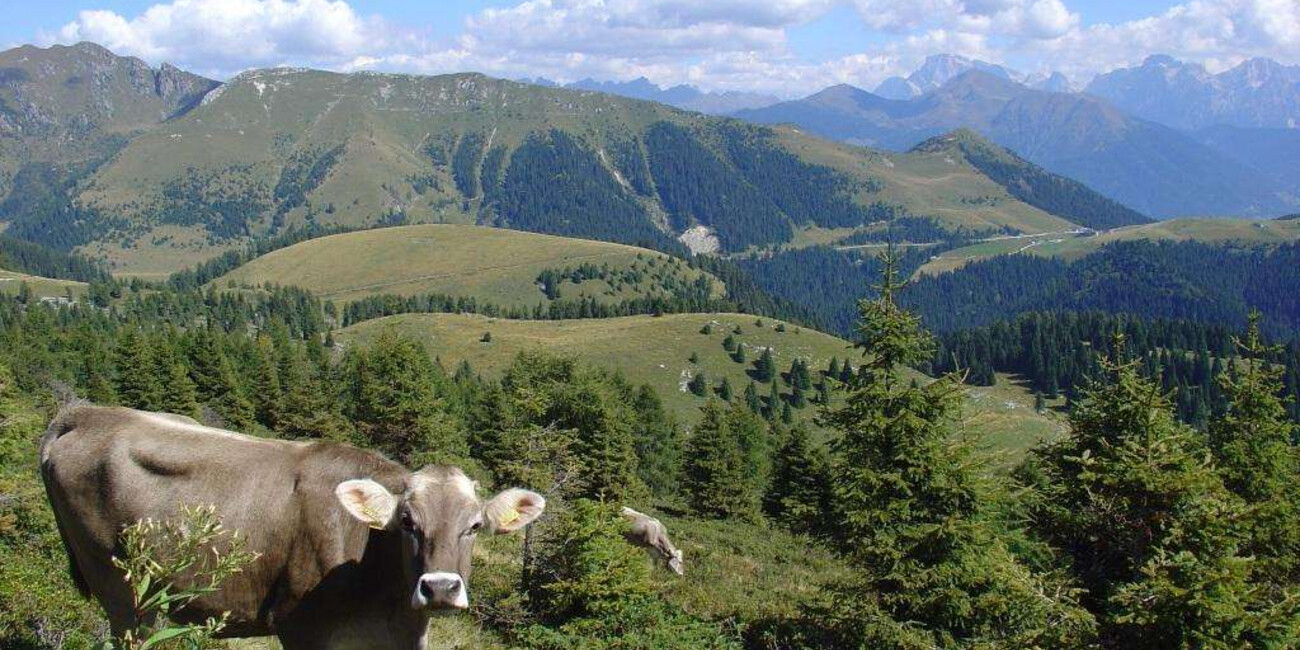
1258,93
180,89
85,91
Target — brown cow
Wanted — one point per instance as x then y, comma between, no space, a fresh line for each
648,532
355,551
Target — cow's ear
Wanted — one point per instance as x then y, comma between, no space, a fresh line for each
513,509
368,501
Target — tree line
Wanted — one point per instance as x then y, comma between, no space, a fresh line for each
1060,354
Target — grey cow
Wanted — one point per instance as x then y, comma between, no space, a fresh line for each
354,550
648,532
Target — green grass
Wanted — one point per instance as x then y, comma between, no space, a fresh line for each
42,287
491,264
657,350
939,185
645,349
1227,232
734,572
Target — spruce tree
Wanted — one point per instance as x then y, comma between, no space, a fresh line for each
724,390
394,401
752,401
266,383
774,403
716,471
138,383
176,391
912,515
698,385
765,367
1253,444
1148,526
799,496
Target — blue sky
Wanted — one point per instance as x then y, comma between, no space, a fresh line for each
786,47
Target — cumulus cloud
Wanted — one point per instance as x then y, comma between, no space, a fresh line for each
1035,19
230,35
715,44
1217,33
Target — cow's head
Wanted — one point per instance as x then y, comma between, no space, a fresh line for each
437,518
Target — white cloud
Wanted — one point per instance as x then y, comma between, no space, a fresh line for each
716,44
229,35
1218,33
1031,19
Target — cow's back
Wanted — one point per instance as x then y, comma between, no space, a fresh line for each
107,468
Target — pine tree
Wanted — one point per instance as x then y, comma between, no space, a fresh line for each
752,401
774,403
765,367
176,391
724,390
138,383
215,381
1253,443
911,513
799,496
1148,526
729,343
395,403
698,385
266,383
658,443
739,355
716,481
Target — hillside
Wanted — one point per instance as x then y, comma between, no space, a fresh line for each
66,110
1224,232
11,284
272,150
657,351
1048,192
1146,166
492,265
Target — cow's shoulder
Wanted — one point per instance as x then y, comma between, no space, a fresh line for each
333,462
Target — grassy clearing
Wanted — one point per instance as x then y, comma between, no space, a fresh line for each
491,264
657,351
1228,232
11,281
645,349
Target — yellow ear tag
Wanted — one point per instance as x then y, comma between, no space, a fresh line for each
372,517
509,517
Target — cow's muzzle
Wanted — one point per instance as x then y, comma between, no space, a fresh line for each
440,590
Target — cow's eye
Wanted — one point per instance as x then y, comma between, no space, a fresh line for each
475,528
407,522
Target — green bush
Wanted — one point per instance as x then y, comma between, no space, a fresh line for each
594,591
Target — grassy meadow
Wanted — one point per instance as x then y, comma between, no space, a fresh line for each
1232,232
491,264
657,351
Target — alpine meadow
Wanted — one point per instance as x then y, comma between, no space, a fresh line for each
641,325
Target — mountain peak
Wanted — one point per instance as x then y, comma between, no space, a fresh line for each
1160,60
939,69
959,138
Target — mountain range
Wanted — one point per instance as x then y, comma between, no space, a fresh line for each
683,96
1152,167
200,169
1257,93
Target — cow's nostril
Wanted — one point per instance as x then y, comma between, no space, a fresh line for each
426,590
